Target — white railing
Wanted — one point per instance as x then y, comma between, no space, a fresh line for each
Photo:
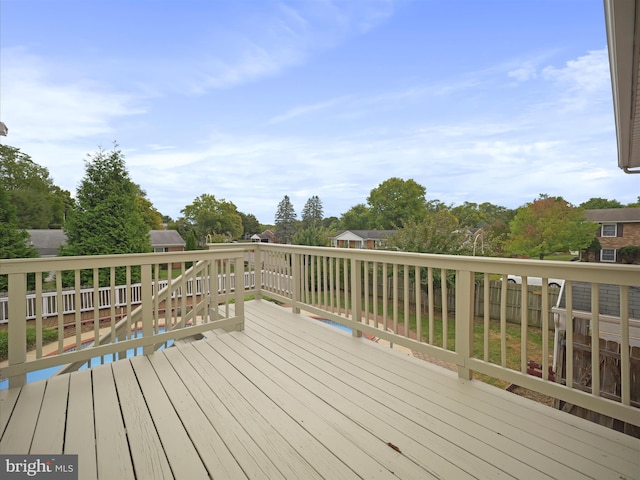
51,300
382,294
363,290
149,318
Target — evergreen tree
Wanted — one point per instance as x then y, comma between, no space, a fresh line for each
13,240
285,221
106,218
312,213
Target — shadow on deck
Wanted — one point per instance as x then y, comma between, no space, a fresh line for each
291,398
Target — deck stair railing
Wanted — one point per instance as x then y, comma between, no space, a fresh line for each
161,317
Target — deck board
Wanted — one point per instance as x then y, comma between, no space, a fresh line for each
184,463
325,465
18,434
291,398
112,447
149,457
80,436
50,429
512,440
210,447
8,399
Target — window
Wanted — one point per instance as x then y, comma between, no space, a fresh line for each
609,230
160,249
608,255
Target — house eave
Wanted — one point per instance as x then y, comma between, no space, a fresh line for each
622,18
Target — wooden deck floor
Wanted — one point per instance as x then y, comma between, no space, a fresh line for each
291,398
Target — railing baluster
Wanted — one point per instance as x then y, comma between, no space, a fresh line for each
385,296
625,363
374,279
503,319
38,301
445,308
406,301
431,301
595,339
545,329
487,316
524,324
147,306
394,298
60,308
78,309
418,299
569,333
96,309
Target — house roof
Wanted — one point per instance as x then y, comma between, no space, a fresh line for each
617,215
368,234
166,238
622,18
46,242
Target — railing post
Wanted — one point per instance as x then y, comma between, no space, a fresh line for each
464,321
296,282
257,269
17,326
146,295
356,295
239,295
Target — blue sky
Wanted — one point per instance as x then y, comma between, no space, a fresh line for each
477,100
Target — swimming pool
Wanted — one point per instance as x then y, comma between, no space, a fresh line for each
334,324
48,372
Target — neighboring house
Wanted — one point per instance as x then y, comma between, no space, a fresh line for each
370,239
265,237
167,241
619,227
47,242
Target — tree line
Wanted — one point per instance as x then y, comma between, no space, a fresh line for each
112,214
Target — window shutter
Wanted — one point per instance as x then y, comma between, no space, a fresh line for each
619,230
599,232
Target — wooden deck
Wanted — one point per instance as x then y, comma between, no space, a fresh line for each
291,398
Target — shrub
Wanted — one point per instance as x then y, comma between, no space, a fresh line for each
630,254
48,335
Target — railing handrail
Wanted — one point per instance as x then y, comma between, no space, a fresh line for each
211,316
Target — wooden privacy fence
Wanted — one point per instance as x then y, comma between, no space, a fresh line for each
514,300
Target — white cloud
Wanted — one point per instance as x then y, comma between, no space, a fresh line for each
39,106
524,73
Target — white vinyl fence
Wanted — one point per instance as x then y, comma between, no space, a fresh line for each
50,306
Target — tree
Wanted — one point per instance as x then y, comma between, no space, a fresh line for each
106,218
435,233
217,218
285,221
356,218
316,236
548,225
13,240
39,203
472,215
152,217
312,213
250,224
395,201
595,203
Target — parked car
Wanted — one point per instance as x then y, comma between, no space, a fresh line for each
535,281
